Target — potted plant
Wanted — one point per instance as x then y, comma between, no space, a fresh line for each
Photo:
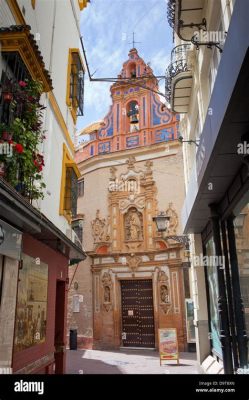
7,90
7,96
23,170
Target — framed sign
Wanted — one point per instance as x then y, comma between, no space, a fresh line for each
168,344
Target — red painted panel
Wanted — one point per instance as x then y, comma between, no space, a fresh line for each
57,270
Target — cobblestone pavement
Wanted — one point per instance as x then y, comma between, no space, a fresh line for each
127,361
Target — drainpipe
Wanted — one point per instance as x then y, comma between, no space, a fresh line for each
222,300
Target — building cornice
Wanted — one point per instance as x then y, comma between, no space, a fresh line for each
157,150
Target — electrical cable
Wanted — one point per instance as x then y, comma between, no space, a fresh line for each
90,76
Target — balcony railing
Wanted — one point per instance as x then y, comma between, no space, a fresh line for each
171,10
179,64
186,17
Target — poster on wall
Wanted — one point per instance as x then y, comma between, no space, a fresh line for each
31,311
168,345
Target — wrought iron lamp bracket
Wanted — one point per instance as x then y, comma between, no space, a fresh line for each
188,141
201,25
180,239
209,44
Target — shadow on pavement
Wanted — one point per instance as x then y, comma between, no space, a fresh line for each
78,365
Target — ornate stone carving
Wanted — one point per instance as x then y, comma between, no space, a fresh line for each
173,222
107,285
132,172
100,229
107,294
133,225
131,162
162,276
113,171
164,292
133,262
138,202
148,165
107,279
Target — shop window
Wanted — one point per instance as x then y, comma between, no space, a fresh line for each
213,291
75,84
241,228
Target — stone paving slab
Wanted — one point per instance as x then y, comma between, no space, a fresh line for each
126,361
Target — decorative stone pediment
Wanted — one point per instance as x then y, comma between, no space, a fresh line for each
132,171
132,200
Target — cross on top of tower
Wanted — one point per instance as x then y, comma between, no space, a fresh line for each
133,40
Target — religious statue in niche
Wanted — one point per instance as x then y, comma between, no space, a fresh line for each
164,294
107,284
133,225
100,229
173,221
107,294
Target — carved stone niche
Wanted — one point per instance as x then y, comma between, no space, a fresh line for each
164,292
107,289
133,222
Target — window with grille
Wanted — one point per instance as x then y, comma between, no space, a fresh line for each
12,71
71,192
75,92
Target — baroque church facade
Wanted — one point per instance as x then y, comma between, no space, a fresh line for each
135,279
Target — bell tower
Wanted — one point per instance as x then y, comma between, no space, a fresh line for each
137,117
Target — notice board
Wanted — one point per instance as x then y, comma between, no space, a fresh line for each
168,345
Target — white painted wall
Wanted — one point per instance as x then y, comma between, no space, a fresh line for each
55,23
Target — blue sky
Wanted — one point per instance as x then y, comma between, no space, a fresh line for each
107,26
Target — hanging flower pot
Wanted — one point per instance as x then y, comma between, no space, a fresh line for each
2,169
6,135
7,96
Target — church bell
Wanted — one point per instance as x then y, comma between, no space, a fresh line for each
134,119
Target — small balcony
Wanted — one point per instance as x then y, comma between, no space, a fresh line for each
186,17
178,82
